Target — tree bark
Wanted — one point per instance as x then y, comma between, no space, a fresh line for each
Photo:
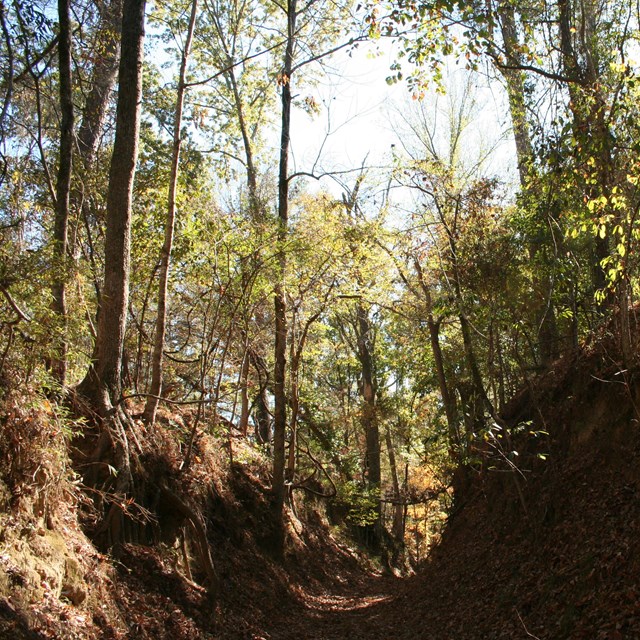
297,348
434,337
397,527
103,78
589,118
243,423
280,305
514,79
547,330
165,258
102,384
368,392
294,405
63,189
369,420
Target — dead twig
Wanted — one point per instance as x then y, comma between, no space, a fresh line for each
524,626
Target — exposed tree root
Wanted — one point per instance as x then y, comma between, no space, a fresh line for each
119,449
200,537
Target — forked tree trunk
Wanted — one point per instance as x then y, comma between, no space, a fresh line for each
103,78
102,82
448,399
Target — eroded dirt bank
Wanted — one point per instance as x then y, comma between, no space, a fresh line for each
549,550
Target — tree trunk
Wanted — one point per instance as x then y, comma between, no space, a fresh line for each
102,384
397,527
256,212
165,257
103,78
263,426
589,119
479,400
369,420
547,331
448,399
514,79
63,189
280,305
243,423
297,348
294,377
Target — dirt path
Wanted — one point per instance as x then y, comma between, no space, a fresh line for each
366,609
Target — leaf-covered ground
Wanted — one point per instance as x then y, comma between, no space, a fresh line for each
573,574
550,551
559,559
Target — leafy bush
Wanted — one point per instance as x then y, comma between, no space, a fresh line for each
361,503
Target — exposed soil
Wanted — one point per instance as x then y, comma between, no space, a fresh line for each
548,548
557,556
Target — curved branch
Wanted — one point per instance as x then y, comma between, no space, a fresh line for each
14,305
334,490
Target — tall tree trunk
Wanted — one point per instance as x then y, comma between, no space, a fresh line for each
63,189
252,174
479,400
294,404
102,384
368,388
262,416
397,527
263,426
514,76
297,348
8,73
280,304
369,418
448,399
243,422
256,213
102,82
589,116
103,78
165,258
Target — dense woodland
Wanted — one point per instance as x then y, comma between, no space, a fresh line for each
171,273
